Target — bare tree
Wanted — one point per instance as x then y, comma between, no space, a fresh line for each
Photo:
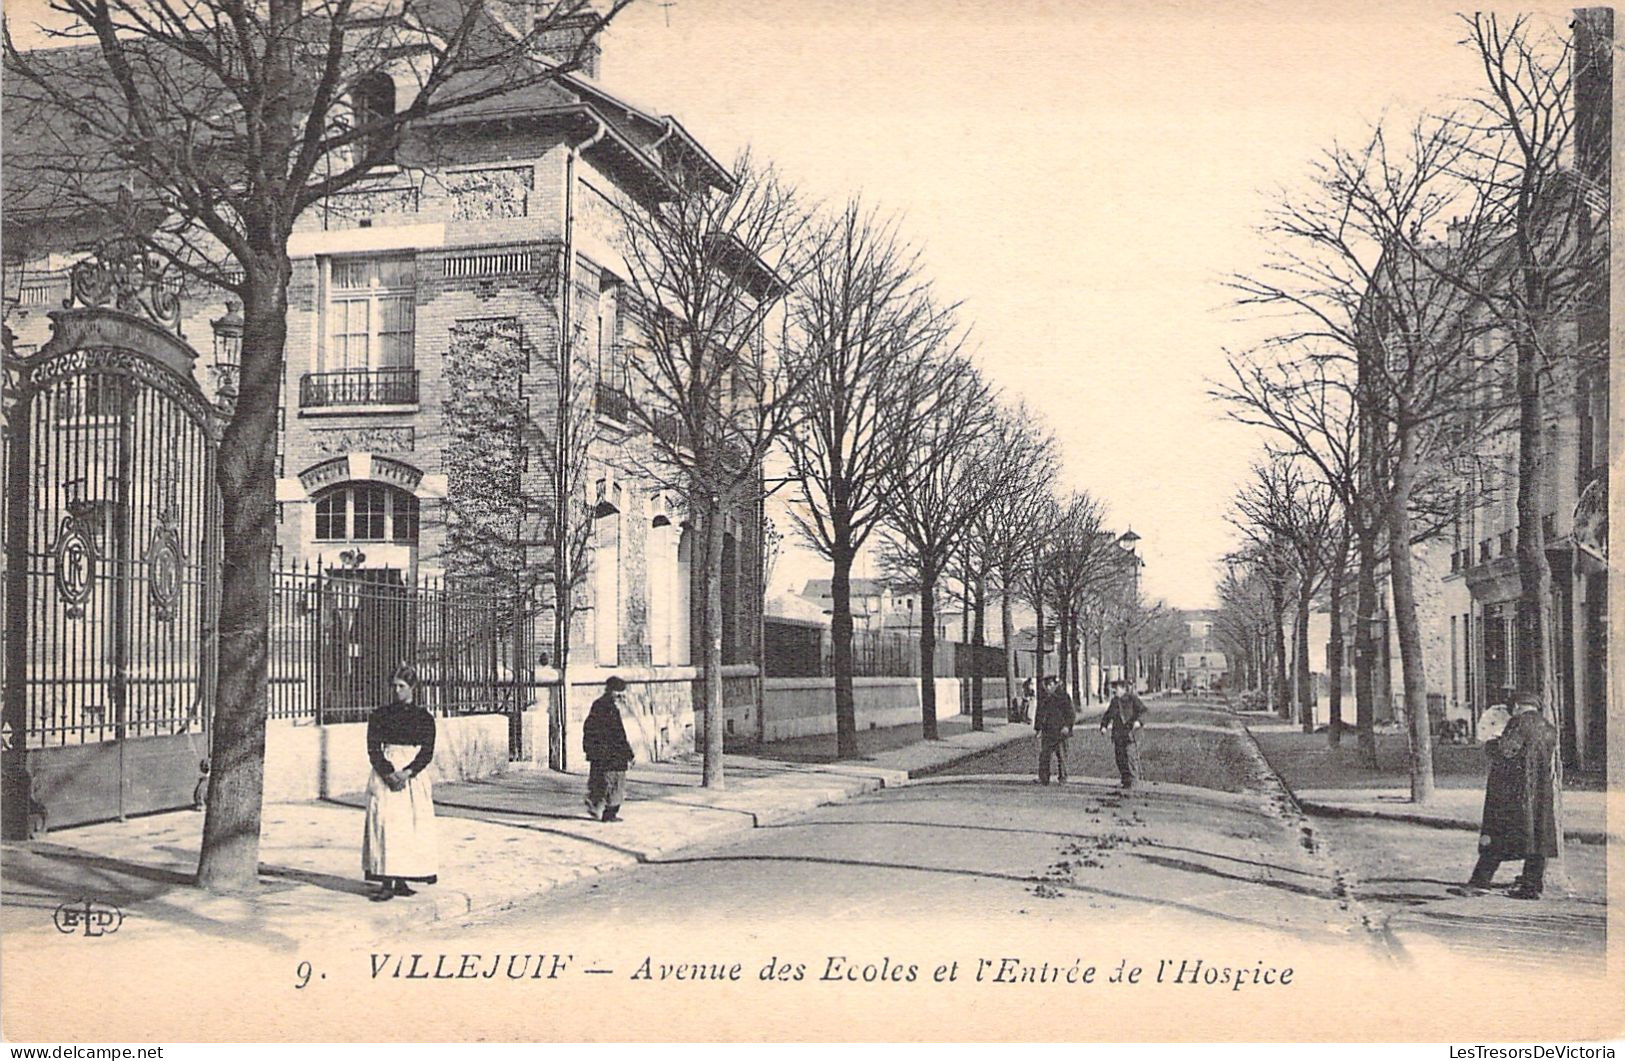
997,542
707,269
866,332
1280,504
1242,620
1080,559
204,131
1545,220
933,483
1310,404
1005,533
1358,270
518,517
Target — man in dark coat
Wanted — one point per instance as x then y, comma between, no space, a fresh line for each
1520,818
603,738
1053,720
1123,719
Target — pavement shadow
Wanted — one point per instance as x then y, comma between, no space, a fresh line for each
48,872
1187,866
1025,881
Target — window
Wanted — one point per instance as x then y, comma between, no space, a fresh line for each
366,512
371,314
373,100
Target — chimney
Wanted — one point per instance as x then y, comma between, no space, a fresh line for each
562,42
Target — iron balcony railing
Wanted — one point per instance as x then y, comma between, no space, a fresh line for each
612,401
1508,543
363,386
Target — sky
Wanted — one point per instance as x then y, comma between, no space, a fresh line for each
1083,177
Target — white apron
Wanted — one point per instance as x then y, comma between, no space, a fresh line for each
400,836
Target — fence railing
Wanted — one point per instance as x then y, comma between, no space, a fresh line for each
337,636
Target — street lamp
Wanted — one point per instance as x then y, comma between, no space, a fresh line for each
1128,541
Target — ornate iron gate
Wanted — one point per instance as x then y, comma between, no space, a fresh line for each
111,544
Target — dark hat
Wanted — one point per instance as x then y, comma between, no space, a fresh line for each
615,683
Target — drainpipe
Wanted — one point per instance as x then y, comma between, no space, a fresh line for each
558,737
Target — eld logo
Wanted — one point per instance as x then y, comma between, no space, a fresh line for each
89,916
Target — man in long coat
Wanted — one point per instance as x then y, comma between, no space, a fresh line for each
603,738
1053,720
1520,818
1122,721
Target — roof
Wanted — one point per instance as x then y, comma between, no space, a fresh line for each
642,146
861,587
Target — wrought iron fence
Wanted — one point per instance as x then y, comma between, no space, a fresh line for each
361,386
337,636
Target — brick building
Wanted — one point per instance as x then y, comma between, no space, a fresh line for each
425,306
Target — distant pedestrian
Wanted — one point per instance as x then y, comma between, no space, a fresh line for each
1024,700
1123,720
603,738
1520,820
399,844
1053,720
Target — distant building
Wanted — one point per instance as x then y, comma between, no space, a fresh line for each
1200,665
878,605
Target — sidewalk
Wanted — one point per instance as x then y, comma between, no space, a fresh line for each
1333,784
503,840
1400,862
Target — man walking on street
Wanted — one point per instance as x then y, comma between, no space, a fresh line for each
603,738
1053,720
1519,816
1123,719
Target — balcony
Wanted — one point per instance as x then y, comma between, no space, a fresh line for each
358,387
1508,543
1486,551
612,402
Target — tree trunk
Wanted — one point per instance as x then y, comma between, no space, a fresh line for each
1535,575
1334,647
840,637
1306,679
1405,621
558,750
1083,666
928,656
1038,648
1365,650
228,860
1007,625
978,635
711,631
1072,648
1061,660
1280,695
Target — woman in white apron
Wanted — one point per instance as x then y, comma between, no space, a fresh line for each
399,843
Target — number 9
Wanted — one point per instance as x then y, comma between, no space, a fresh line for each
303,972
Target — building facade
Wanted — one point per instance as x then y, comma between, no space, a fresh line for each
422,381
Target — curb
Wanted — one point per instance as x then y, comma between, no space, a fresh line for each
1341,810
